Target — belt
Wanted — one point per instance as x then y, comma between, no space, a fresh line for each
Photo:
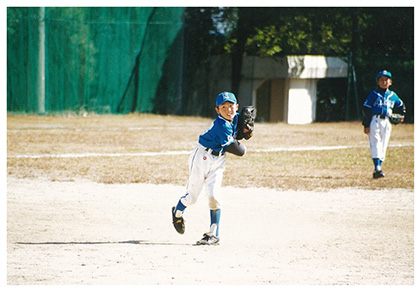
381,116
214,153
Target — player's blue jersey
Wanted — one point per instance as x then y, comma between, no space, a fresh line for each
382,103
221,134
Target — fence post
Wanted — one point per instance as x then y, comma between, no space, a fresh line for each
41,61
349,76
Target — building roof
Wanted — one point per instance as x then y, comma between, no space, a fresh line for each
294,67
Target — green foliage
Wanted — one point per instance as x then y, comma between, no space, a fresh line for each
266,40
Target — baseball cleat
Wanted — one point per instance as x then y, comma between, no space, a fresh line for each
208,239
178,222
378,174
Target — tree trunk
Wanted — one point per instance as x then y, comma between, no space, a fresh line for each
239,48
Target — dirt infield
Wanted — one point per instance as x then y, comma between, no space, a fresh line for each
83,232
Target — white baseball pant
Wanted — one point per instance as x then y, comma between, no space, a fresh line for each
379,135
205,170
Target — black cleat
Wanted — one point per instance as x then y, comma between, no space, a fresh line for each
208,239
178,222
378,174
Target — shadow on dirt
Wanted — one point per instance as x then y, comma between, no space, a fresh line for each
134,242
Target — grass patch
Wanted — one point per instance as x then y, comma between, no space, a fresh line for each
298,170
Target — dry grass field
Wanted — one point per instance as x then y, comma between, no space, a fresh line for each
116,144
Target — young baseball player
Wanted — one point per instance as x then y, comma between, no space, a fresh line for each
380,106
207,164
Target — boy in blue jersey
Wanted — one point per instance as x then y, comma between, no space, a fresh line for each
377,109
207,164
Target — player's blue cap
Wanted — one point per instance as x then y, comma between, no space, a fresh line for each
383,73
225,97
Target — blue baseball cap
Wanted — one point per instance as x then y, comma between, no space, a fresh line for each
225,97
383,73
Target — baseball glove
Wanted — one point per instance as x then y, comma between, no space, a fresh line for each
246,123
396,118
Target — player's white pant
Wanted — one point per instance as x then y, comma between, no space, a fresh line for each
205,170
379,134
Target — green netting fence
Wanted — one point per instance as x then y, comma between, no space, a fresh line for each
99,59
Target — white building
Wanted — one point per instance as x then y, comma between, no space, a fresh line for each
282,90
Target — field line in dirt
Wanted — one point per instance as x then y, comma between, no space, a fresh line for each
169,153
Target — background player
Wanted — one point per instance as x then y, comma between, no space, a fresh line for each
378,108
207,164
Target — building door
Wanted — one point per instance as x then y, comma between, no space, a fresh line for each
278,102
263,101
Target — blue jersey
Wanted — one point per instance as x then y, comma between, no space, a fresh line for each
383,103
221,134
